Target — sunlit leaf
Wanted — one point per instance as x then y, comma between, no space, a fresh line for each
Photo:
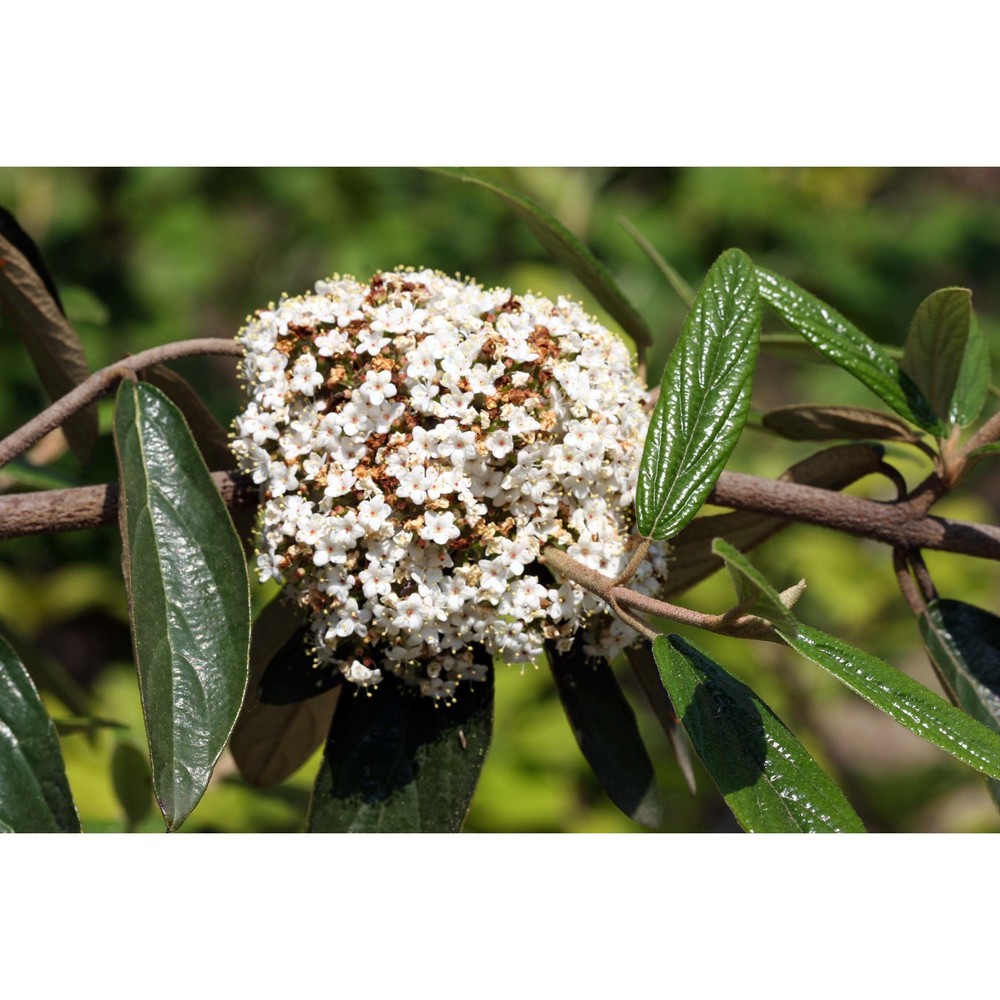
606,732
704,399
754,593
845,345
188,596
398,762
571,253
764,773
36,317
901,698
210,436
831,423
34,793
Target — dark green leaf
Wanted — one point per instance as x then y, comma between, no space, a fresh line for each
132,782
188,595
399,762
55,349
684,291
606,731
293,674
704,399
34,793
831,423
692,559
941,334
754,593
571,253
764,773
901,698
963,642
845,345
209,434
271,742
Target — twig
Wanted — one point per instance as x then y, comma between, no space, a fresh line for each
102,382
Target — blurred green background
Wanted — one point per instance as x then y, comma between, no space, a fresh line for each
146,256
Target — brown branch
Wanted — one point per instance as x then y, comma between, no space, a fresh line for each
94,506
901,525
101,383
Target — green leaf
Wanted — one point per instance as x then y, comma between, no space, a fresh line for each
754,593
973,383
692,559
34,793
845,345
606,731
571,253
210,436
684,291
37,319
132,782
188,593
831,423
399,762
963,642
704,399
271,742
944,354
901,698
764,773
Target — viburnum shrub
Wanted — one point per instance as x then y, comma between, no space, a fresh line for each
443,479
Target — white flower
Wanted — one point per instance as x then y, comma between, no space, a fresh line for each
418,442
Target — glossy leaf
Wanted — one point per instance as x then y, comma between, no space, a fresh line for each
764,773
963,642
55,349
845,345
704,399
901,698
398,762
188,596
606,732
940,337
754,593
692,559
833,423
684,291
571,253
34,793
271,742
210,436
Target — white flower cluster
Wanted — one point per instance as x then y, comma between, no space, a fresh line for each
418,441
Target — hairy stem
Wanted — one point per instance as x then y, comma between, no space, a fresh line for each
101,383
